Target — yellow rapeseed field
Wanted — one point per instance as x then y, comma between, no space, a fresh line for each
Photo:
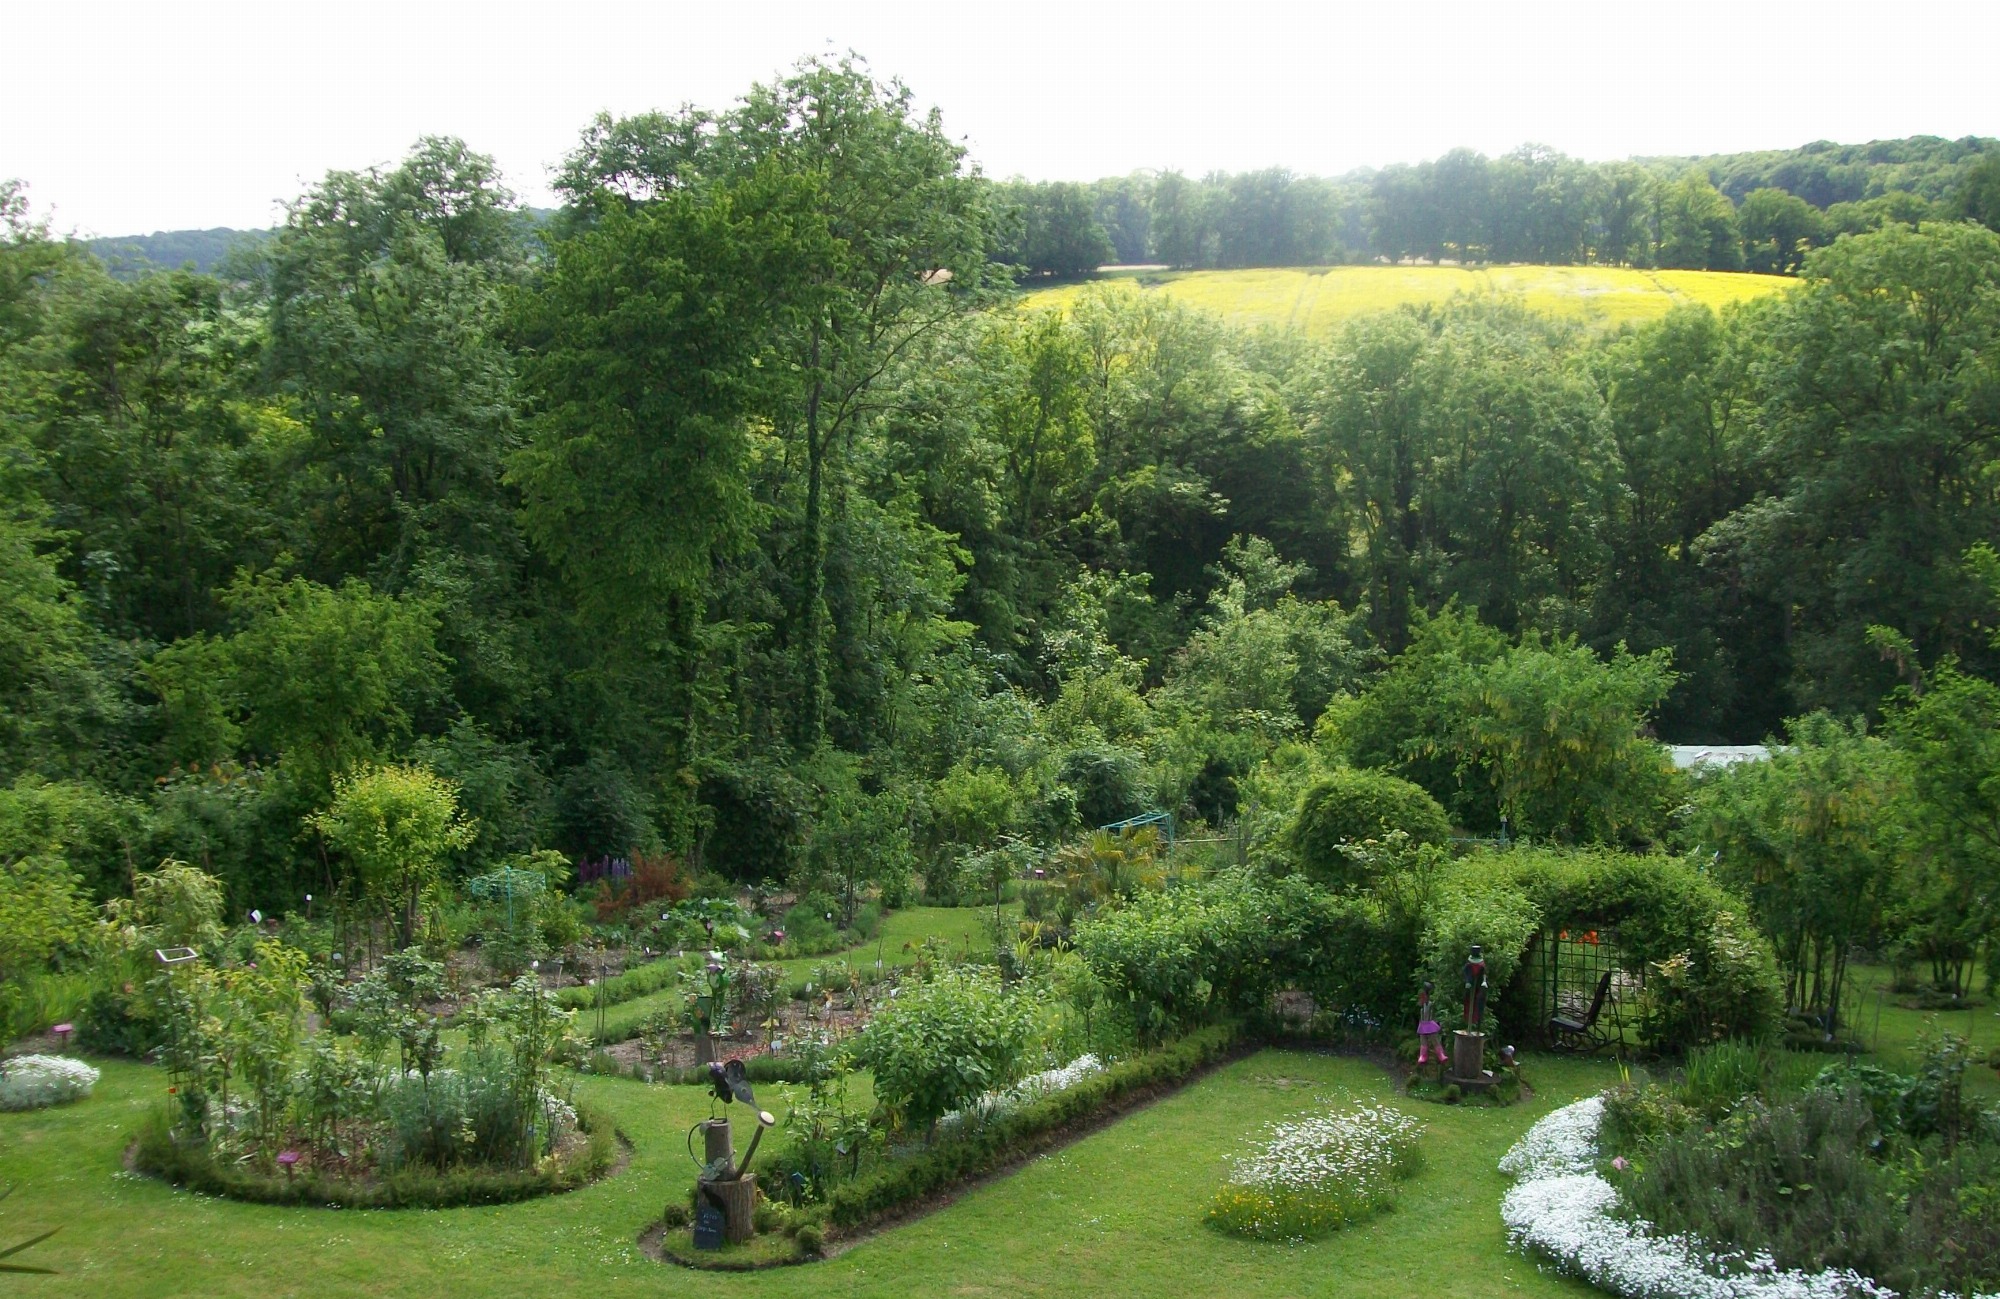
1319,299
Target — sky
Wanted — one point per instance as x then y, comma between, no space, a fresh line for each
125,118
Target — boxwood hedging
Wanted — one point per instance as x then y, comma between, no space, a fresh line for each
193,1166
980,1149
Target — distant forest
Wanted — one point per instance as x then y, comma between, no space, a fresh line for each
1759,211
1748,211
200,251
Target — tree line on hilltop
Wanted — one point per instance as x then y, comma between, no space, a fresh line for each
1754,211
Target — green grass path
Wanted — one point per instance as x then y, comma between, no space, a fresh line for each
1117,1213
967,929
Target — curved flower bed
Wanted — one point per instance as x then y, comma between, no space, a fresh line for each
1318,1174
1563,1210
32,1082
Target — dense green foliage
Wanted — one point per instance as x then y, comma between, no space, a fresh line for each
731,522
1351,808
1850,1166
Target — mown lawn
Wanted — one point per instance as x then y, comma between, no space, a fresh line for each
1319,300
1117,1213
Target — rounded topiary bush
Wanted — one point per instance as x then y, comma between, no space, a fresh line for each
1352,806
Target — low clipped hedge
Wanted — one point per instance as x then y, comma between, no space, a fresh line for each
156,1151
758,1069
979,1150
639,981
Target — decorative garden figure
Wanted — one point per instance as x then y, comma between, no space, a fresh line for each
1430,1037
1475,989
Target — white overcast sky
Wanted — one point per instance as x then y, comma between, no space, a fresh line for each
126,118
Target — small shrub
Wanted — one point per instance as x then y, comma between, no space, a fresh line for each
812,1240
1313,1176
675,1216
941,1044
767,1218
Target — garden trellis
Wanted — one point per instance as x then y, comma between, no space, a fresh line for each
509,884
1581,977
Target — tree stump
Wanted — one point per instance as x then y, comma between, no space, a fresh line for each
1468,1056
738,1198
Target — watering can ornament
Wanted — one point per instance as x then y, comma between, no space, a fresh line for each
727,1082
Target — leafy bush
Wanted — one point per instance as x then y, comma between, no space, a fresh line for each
33,1082
1800,1181
809,928
1349,807
939,1045
1724,985
1315,1175
1227,943
1109,783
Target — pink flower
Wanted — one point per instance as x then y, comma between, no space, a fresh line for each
1620,1164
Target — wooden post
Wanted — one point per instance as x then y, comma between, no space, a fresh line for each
1468,1056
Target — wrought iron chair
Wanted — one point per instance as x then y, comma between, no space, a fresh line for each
1583,1033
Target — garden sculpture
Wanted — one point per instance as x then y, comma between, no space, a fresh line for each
1475,989
1430,1037
725,1185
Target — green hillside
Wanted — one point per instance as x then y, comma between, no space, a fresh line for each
1320,299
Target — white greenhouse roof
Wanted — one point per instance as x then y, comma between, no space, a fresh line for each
1688,756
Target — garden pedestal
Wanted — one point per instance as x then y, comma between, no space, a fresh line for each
1468,1058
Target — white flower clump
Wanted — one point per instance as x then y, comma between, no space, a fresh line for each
1049,1081
1561,1208
998,1104
1564,1141
1359,1146
30,1082
560,1114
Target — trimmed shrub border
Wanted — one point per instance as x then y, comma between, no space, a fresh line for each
943,1172
155,1152
935,1178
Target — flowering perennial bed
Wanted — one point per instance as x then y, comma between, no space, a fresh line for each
999,1104
31,1082
1562,1209
1316,1175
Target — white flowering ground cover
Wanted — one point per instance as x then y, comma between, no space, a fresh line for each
30,1082
998,1104
1561,1209
1316,1175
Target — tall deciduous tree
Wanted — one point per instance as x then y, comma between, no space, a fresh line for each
1882,410
908,237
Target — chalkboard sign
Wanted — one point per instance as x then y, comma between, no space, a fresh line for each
708,1225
